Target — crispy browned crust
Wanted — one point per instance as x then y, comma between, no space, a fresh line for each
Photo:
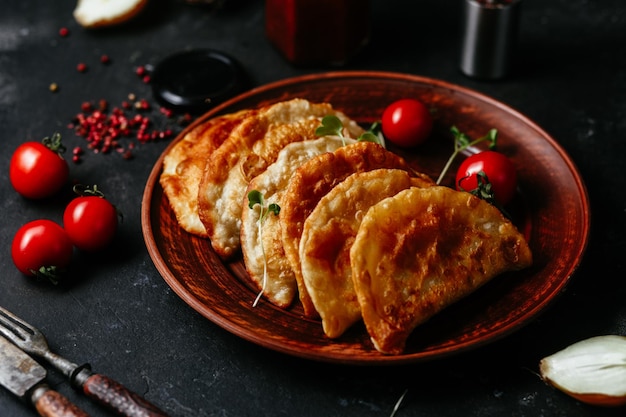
424,249
262,250
183,167
327,237
311,182
250,148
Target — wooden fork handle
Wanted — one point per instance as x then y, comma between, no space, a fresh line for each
50,403
118,398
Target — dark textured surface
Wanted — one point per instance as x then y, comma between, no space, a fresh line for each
118,314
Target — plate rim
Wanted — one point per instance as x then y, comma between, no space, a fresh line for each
153,185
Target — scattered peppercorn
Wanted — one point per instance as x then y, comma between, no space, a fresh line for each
118,129
54,87
64,32
104,131
166,112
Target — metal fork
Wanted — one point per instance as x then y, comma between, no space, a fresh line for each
97,387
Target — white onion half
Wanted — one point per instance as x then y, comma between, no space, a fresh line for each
592,370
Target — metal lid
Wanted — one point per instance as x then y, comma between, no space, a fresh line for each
196,80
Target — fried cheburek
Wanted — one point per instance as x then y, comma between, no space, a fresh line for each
360,234
183,166
423,249
261,245
313,180
251,147
327,237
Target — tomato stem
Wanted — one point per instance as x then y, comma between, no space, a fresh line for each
54,143
49,273
85,190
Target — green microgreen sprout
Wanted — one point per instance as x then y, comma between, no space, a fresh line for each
462,142
374,134
332,126
256,197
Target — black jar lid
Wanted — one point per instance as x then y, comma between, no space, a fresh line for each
196,80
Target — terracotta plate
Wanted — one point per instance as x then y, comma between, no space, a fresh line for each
551,208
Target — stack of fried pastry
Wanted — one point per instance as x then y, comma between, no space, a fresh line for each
360,234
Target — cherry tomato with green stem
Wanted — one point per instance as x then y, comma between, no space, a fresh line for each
37,169
42,248
498,169
90,220
407,122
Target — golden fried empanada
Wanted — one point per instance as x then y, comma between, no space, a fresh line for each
263,254
251,147
313,180
327,237
183,167
423,249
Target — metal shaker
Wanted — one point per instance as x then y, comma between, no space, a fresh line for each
489,37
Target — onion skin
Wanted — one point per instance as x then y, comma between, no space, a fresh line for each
596,366
600,399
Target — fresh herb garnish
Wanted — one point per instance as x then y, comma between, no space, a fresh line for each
256,197
462,142
331,125
374,134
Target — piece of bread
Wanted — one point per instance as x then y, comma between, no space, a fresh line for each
99,13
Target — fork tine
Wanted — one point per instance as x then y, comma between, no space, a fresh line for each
15,328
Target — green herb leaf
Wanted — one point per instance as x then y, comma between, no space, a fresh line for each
256,197
462,142
331,125
374,134
274,208
369,137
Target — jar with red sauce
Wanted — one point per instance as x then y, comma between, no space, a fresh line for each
318,32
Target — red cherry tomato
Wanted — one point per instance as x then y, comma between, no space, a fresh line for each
407,122
41,248
499,170
90,222
37,170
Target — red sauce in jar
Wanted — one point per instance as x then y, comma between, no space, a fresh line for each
317,31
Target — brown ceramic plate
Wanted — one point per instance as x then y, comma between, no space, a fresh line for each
551,208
